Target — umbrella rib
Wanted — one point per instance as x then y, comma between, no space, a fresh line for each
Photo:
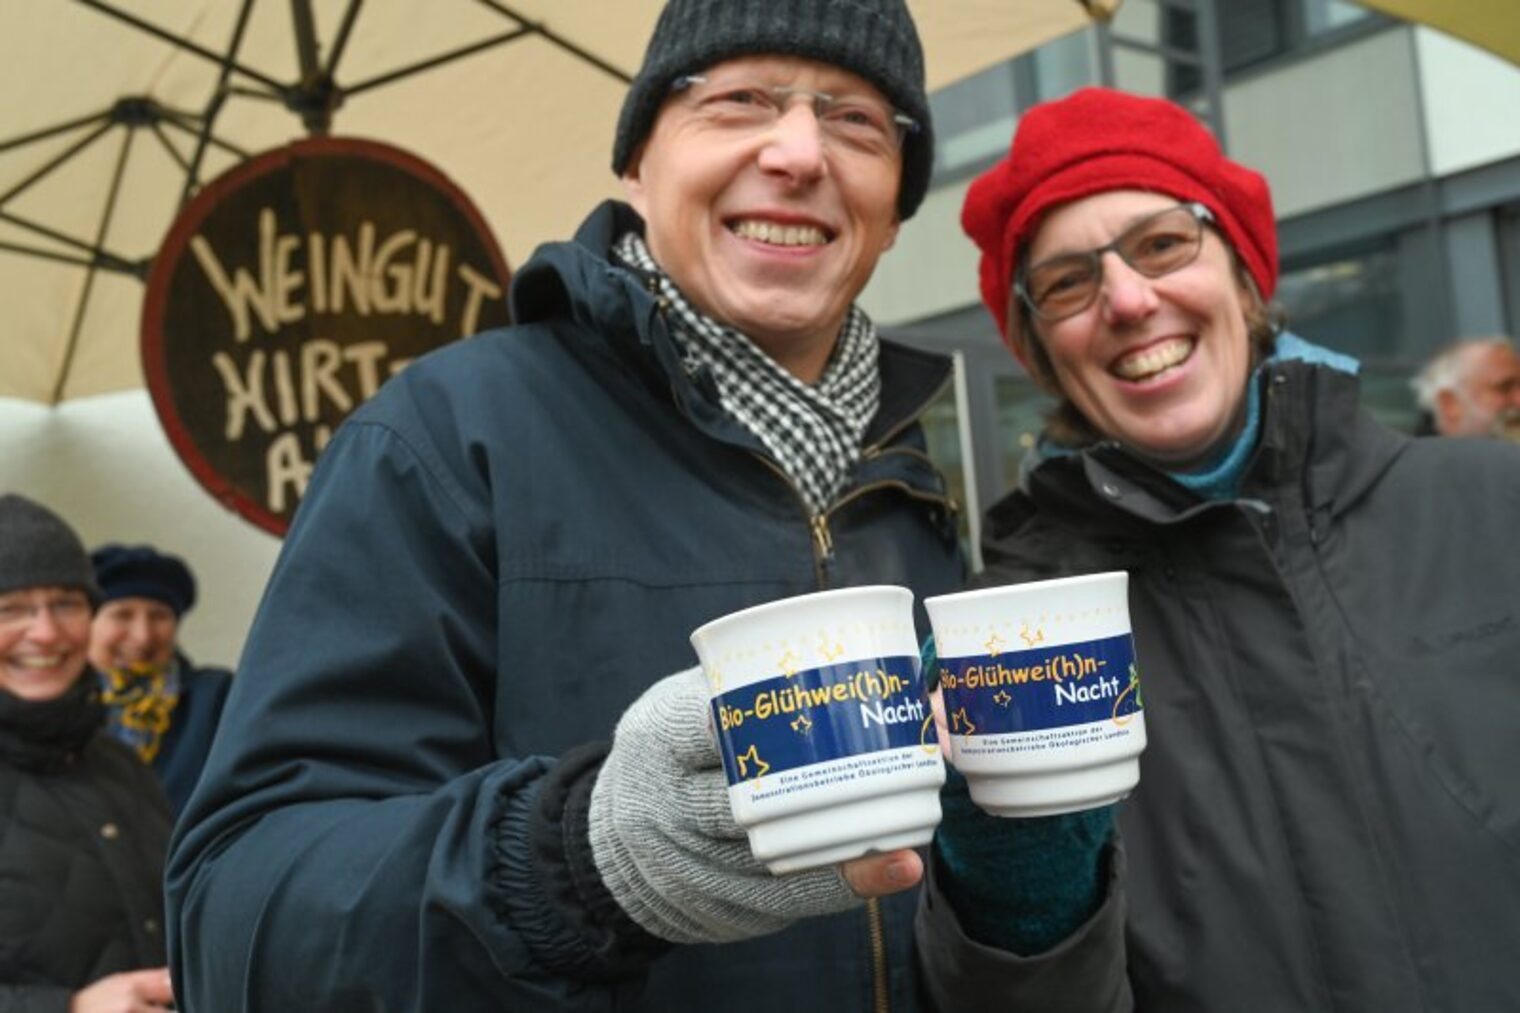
89,277
46,132
55,162
62,258
262,94
226,146
435,61
538,28
185,44
305,31
99,255
208,118
350,14
163,138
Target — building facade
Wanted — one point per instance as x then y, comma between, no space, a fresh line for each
1394,158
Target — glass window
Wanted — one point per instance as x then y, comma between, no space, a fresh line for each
1327,15
1063,66
1351,304
974,118
942,434
1509,264
1387,395
1021,411
1249,31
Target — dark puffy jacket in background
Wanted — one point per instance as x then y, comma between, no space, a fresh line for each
202,695
1328,815
83,831
497,554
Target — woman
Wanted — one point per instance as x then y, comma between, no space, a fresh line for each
158,702
1325,614
83,825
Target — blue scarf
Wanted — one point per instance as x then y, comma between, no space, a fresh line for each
1220,477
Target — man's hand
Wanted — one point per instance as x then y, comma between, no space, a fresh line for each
665,842
128,992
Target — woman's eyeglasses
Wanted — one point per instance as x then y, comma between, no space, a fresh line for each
1156,245
22,610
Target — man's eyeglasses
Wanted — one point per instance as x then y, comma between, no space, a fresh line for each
62,608
858,122
1156,245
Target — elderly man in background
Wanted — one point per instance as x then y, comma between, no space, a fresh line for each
83,825
412,804
159,702
1471,388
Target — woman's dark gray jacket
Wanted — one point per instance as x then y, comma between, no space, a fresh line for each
83,831
1328,815
496,555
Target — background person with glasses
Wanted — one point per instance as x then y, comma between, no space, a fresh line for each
1326,616
83,825
412,802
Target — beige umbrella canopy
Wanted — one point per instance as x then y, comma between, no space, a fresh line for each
119,109
1493,25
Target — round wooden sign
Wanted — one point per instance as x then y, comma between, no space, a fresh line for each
288,291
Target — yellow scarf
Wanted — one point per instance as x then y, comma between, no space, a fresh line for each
140,698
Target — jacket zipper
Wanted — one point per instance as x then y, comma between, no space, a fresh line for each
878,956
823,551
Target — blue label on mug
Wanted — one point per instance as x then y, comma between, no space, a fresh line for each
821,714
1051,687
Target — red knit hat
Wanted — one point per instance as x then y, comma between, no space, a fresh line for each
1096,140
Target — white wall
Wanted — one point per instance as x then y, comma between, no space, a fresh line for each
104,464
1337,126
1472,103
931,268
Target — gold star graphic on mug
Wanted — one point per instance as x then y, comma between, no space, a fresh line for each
715,678
995,645
1031,639
959,722
788,664
803,725
829,651
752,755
1002,699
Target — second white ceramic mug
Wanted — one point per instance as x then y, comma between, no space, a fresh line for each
1042,693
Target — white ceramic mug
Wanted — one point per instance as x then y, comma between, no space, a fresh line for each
1042,693
826,734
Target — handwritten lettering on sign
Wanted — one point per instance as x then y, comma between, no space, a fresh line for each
287,294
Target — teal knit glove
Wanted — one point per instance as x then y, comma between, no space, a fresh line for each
1021,885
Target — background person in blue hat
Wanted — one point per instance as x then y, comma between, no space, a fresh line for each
159,702
83,825
412,802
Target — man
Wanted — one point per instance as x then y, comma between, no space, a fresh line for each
1471,388
160,703
411,804
83,826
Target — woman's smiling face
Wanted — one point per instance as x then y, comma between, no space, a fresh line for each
1158,364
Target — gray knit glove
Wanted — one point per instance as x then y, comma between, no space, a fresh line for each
664,838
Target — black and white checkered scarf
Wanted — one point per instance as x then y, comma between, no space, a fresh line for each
813,431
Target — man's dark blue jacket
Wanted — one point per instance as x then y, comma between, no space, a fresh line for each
496,555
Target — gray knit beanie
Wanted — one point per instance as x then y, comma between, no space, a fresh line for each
873,38
37,549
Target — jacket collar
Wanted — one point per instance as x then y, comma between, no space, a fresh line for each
579,280
1316,442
